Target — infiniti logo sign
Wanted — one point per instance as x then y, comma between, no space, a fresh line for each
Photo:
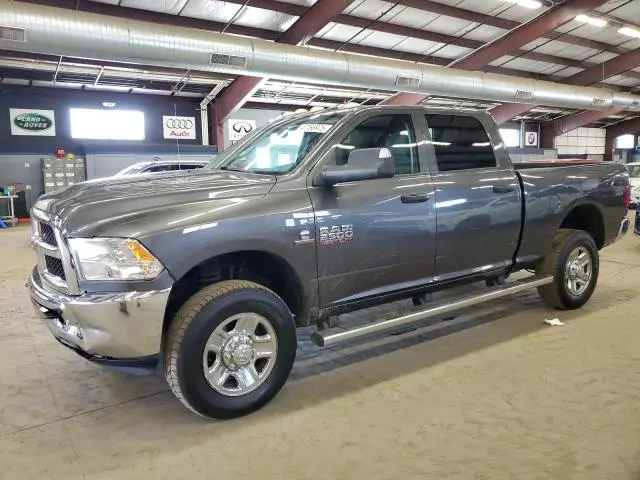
531,139
242,127
239,128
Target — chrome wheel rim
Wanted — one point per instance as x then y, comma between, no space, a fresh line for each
240,354
578,271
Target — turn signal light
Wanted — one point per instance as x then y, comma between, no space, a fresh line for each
141,253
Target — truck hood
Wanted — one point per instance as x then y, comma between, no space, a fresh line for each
91,207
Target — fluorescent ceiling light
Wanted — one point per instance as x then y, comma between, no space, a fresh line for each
630,32
595,21
286,25
526,3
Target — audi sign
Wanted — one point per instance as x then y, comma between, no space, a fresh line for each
178,123
179,127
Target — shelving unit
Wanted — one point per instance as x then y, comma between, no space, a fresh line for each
59,173
11,218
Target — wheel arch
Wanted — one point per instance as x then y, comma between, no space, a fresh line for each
260,266
586,216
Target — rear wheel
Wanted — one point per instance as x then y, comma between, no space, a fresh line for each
574,263
230,349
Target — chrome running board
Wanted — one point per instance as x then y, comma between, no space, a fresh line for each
335,335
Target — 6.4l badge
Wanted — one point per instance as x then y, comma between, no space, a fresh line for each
336,234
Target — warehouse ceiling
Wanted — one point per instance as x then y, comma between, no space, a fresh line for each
439,32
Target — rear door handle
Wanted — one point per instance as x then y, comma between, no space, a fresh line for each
414,198
503,188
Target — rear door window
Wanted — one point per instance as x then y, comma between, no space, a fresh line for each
460,143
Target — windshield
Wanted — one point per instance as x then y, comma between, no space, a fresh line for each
279,148
634,170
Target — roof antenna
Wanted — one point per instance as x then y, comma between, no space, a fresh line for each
175,114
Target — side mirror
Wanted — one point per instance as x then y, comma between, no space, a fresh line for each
363,164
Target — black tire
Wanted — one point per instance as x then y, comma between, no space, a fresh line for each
557,293
190,330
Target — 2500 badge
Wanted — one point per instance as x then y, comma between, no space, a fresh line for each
336,234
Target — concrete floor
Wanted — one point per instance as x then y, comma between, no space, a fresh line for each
492,393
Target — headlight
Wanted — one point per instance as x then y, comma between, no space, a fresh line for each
113,259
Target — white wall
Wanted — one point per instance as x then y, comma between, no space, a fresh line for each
519,155
590,141
22,170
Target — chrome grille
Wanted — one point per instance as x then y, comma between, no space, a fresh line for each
54,259
55,267
47,234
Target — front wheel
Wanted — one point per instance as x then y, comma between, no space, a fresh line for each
229,349
574,263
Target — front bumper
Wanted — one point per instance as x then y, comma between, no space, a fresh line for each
107,328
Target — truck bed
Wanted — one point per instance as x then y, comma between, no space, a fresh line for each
552,189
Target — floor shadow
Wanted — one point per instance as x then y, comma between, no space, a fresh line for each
406,337
301,394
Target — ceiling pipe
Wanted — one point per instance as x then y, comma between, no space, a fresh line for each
48,30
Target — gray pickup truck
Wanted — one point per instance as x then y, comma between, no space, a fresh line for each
206,274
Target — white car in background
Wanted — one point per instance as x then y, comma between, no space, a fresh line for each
634,178
162,166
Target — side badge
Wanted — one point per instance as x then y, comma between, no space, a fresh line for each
336,234
305,238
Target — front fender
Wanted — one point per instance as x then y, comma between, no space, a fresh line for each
185,240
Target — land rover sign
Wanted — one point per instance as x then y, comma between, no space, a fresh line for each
32,122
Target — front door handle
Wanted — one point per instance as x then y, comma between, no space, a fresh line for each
414,198
503,188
